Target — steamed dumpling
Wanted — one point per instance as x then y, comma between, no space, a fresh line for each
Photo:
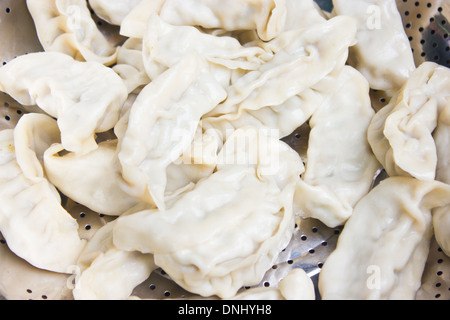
34,224
66,26
382,250
383,52
85,97
401,133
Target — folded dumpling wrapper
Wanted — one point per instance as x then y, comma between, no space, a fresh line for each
85,97
164,45
383,52
340,165
401,133
302,57
382,250
266,17
67,26
34,224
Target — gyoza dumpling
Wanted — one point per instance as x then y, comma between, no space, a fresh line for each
33,222
85,97
107,273
67,26
226,232
400,134
162,123
382,250
267,17
383,52
301,58
164,45
284,92
441,216
113,11
340,166
93,179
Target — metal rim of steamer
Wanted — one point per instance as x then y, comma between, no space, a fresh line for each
428,31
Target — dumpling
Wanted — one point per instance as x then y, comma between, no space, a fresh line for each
400,134
162,123
267,17
441,216
284,92
301,59
85,97
67,26
93,179
226,232
107,273
164,45
340,165
383,52
113,11
382,250
34,224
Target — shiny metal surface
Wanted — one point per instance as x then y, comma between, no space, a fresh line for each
428,28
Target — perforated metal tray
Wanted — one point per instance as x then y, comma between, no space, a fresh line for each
428,29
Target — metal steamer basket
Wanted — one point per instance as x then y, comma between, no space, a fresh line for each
428,30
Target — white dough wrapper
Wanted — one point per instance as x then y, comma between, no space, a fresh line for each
67,26
226,232
34,224
383,52
382,250
85,97
340,166
401,133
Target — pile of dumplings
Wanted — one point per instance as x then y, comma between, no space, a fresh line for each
197,100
